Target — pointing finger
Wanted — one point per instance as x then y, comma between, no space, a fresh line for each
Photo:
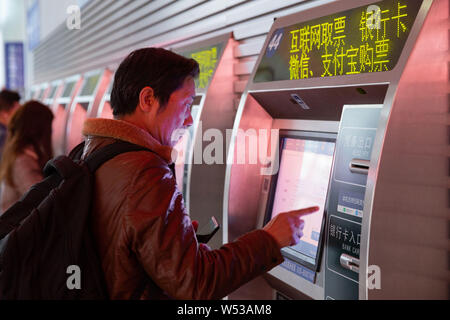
306,211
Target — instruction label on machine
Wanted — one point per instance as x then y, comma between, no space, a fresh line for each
344,236
351,203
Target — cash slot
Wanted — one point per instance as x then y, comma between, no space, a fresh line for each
359,166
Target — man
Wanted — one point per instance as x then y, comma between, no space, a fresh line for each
144,236
9,102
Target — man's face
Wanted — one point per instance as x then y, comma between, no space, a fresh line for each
176,114
14,109
5,116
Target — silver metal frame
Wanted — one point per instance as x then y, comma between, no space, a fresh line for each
198,208
77,79
190,153
59,88
93,100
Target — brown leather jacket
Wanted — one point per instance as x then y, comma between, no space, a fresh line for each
145,236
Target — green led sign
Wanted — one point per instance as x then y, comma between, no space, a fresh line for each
207,58
362,40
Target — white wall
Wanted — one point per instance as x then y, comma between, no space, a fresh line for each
53,13
12,28
2,63
12,20
13,16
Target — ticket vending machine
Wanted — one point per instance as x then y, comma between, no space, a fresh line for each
104,110
32,92
200,166
61,107
43,93
35,92
334,115
55,90
85,105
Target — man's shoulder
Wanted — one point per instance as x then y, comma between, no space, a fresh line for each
139,164
130,161
142,159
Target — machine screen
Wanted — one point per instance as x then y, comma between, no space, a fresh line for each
303,178
90,85
53,92
68,89
41,94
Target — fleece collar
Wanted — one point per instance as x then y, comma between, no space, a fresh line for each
125,131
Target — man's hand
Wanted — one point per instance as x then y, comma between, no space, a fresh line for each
201,245
287,227
195,225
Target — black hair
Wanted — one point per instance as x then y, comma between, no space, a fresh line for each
7,99
31,125
162,70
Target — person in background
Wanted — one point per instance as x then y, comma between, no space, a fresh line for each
27,149
9,102
144,235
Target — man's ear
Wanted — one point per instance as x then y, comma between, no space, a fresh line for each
147,100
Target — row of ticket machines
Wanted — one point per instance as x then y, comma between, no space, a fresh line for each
72,101
321,122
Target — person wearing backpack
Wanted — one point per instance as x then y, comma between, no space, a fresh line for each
28,148
144,237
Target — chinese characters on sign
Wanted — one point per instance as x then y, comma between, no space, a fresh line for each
363,40
207,59
361,145
14,66
340,56
349,239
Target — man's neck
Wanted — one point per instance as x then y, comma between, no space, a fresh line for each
132,119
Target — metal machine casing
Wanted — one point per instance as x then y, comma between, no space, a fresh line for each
85,105
61,104
266,105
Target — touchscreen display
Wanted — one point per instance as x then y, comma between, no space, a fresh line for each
302,182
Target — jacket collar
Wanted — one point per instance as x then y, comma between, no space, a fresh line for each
125,131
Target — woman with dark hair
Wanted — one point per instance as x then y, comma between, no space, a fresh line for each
27,149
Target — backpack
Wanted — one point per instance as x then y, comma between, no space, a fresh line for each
49,240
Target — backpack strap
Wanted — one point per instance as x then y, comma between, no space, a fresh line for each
77,152
99,157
